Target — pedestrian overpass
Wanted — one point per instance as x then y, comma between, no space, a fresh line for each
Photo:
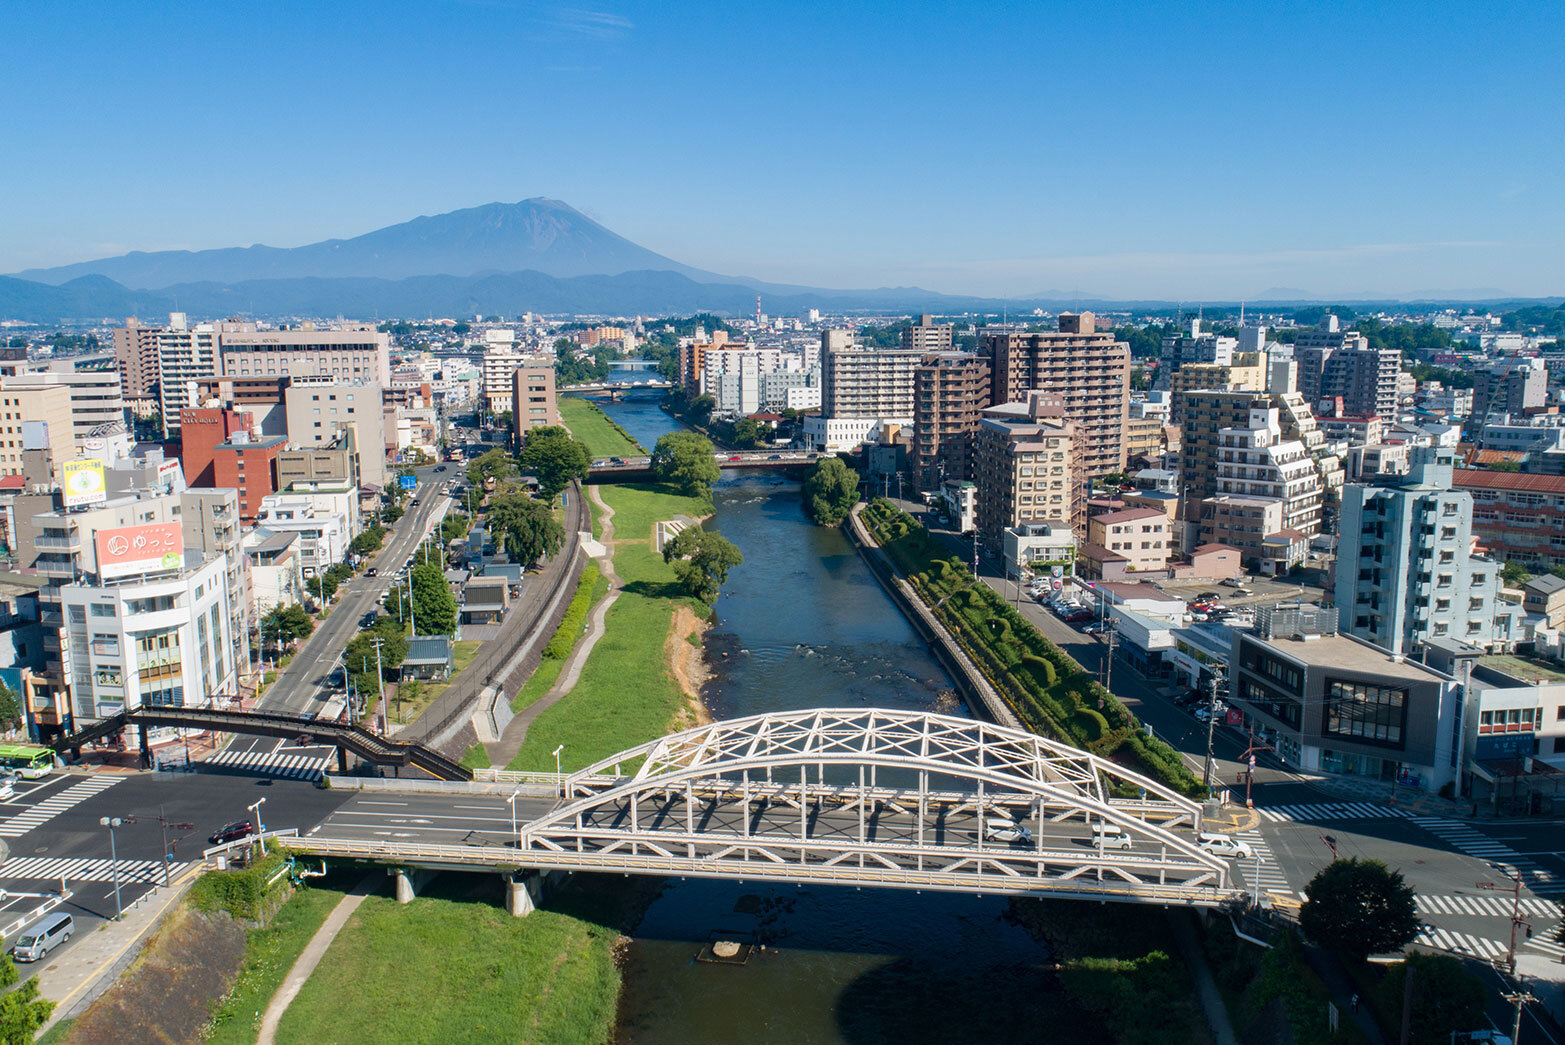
858,797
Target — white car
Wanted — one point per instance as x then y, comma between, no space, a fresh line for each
1006,831
1110,836
1226,845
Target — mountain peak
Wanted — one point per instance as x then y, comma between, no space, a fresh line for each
538,233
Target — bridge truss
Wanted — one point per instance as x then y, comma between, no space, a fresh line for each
877,797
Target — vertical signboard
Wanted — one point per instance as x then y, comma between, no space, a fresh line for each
83,482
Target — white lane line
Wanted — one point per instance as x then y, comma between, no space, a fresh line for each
367,802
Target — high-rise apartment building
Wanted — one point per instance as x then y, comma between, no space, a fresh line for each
533,402
1335,364
1244,372
1087,369
35,419
1406,572
1026,469
136,355
951,391
499,367
861,383
928,336
186,354
1256,464
352,353
1515,387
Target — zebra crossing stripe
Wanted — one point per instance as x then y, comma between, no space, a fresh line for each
1549,947
1495,906
38,868
56,804
1269,877
1462,943
298,767
1332,811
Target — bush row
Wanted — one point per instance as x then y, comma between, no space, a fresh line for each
569,631
1044,686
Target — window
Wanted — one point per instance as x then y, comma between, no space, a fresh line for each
103,609
1364,711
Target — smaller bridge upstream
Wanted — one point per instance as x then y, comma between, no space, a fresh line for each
615,469
861,797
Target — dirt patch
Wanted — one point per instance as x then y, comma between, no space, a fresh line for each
167,994
687,660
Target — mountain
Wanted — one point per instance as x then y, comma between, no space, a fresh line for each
540,235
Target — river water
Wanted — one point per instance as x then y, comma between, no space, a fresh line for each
802,623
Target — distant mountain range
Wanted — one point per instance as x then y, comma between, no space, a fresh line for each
538,255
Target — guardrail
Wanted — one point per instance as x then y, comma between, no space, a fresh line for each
410,785
210,855
50,902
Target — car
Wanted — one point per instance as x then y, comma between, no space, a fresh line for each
232,832
1232,582
1077,616
775,457
735,457
413,503
1006,831
38,939
7,789
1226,845
373,571
440,467
1110,836
1096,628
1208,595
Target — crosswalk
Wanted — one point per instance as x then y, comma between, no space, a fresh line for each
1542,944
1461,943
1331,811
1495,906
275,763
1465,839
1270,877
56,804
42,868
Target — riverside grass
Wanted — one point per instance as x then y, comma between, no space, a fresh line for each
589,424
454,967
548,670
626,694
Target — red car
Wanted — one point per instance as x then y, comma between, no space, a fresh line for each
232,832
736,457
1079,616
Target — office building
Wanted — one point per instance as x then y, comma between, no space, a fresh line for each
1334,703
95,396
202,430
316,410
927,336
248,466
1026,469
1087,369
1515,387
1406,571
533,402
951,391
357,353
499,367
335,462
36,419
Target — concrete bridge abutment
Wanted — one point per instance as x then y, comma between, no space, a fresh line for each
524,891
409,880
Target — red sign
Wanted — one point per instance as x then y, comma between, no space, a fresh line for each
138,549
1235,717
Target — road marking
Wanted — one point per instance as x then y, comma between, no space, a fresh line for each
433,816
1270,878
1492,906
1465,839
38,868
1331,811
52,807
370,802
293,767
1460,943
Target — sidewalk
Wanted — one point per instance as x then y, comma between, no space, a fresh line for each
90,965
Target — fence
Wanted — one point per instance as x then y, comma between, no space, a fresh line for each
458,701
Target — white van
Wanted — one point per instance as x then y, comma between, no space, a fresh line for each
43,936
1110,836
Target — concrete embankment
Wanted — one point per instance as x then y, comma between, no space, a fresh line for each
979,693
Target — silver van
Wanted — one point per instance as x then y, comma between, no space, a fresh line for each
43,936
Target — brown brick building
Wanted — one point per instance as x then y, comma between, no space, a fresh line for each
950,393
1089,370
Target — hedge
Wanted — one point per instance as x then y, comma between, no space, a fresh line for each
1045,687
243,893
569,631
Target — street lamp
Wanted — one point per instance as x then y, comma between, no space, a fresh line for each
255,815
558,773
511,801
111,822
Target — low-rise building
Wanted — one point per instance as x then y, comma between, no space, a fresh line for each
1138,535
960,500
323,532
1545,596
1041,548
276,569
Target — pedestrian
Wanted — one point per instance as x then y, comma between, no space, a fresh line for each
1353,1003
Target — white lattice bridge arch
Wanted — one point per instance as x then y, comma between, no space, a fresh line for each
866,796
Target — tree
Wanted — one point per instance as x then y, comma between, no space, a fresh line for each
284,625
433,604
830,491
526,527
493,464
1359,907
1445,997
1514,574
686,460
22,1012
10,707
701,559
555,458
359,655
368,541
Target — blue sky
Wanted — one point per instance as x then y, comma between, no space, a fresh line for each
1189,150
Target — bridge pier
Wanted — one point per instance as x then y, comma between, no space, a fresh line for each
523,891
342,760
410,881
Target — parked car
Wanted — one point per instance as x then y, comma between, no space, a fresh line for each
1225,845
232,832
47,933
1077,616
1232,582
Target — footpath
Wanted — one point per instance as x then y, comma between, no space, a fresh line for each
311,956
504,750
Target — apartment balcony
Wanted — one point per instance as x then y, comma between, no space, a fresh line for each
71,543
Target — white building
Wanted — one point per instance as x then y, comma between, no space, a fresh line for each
836,435
356,352
960,499
276,569
323,533
1255,464
500,363
867,383
158,636
185,355
96,399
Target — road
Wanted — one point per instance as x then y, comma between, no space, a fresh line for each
301,687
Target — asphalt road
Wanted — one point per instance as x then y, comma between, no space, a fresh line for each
301,688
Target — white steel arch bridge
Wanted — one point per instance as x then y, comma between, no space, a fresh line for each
861,797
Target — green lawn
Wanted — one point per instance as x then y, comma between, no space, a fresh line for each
549,668
462,652
626,694
453,966
592,426
269,954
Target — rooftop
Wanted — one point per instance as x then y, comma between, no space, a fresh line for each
265,443
428,649
1129,515
1547,584
1484,479
1342,651
1524,668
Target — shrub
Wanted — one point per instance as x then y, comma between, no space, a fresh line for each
1040,668
243,894
1091,725
569,631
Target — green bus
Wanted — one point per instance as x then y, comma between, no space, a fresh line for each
26,760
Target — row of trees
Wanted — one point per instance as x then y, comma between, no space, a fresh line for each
433,607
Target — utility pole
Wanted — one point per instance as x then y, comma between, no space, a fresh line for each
1249,772
164,823
1110,629
1518,998
1516,918
1211,730
380,687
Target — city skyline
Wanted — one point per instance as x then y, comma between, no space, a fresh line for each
1207,153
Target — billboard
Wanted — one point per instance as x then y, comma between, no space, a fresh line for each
83,482
140,549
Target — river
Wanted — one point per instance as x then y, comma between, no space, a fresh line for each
802,623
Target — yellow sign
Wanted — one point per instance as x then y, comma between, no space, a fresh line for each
84,483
